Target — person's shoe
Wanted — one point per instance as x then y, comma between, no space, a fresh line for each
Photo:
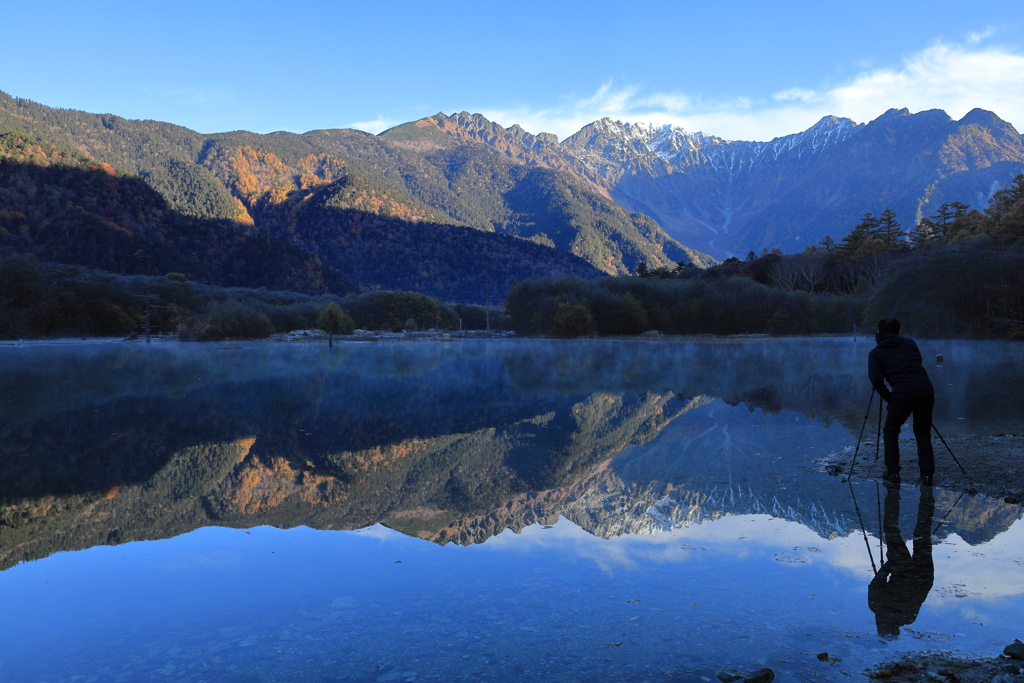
926,480
891,478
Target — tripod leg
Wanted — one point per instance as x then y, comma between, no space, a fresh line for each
862,426
948,448
878,438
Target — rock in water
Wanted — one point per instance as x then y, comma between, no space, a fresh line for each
1015,650
760,676
729,675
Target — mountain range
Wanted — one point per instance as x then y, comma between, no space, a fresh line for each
730,197
409,208
369,205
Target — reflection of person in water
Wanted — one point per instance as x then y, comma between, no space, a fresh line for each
897,360
899,588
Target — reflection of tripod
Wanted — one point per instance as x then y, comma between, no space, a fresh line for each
902,583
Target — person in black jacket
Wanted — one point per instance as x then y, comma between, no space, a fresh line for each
897,360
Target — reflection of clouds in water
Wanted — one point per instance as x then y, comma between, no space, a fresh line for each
972,583
381,533
985,572
732,538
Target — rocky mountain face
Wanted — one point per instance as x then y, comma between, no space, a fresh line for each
613,194
359,201
729,197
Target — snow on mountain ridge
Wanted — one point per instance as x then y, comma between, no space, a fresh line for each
681,149
685,149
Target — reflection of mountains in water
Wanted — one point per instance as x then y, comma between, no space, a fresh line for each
451,444
284,477
461,488
711,460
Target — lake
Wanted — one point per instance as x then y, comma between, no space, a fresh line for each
490,510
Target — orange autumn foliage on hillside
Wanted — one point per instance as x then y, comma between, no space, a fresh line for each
261,485
255,175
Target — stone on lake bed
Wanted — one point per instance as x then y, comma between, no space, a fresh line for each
758,676
1015,650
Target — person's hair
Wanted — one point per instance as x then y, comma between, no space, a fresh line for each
890,325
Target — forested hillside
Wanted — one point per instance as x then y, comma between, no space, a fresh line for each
957,273
62,206
263,183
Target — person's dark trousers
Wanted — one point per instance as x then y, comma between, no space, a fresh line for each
898,411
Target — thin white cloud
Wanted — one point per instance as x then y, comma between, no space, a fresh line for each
978,36
377,125
952,77
795,94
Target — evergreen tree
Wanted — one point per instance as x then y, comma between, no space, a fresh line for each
1003,201
890,231
924,233
862,240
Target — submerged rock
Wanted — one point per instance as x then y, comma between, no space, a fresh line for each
760,676
1015,650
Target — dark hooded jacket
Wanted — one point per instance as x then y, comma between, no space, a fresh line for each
897,360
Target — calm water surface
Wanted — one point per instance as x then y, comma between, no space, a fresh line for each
488,511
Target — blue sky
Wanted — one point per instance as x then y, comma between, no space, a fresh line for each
741,70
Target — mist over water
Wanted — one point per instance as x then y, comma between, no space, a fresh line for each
520,510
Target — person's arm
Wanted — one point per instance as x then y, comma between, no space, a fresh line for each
877,377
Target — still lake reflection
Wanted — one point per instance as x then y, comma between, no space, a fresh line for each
492,510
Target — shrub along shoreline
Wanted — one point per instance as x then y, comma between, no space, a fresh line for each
566,307
47,300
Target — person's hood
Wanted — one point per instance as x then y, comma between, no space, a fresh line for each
888,340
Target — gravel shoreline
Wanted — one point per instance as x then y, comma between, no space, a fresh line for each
946,667
994,464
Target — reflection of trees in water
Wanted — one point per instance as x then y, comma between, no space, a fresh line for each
822,377
284,471
441,441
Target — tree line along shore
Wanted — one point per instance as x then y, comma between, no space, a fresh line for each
958,273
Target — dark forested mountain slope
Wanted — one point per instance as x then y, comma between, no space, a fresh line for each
260,181
62,206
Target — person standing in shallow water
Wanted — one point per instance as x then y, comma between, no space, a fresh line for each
897,360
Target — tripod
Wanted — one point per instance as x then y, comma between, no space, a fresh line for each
867,413
878,438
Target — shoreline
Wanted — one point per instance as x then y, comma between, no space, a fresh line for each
937,666
994,464
318,337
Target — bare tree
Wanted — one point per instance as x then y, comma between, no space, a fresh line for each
811,268
784,274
